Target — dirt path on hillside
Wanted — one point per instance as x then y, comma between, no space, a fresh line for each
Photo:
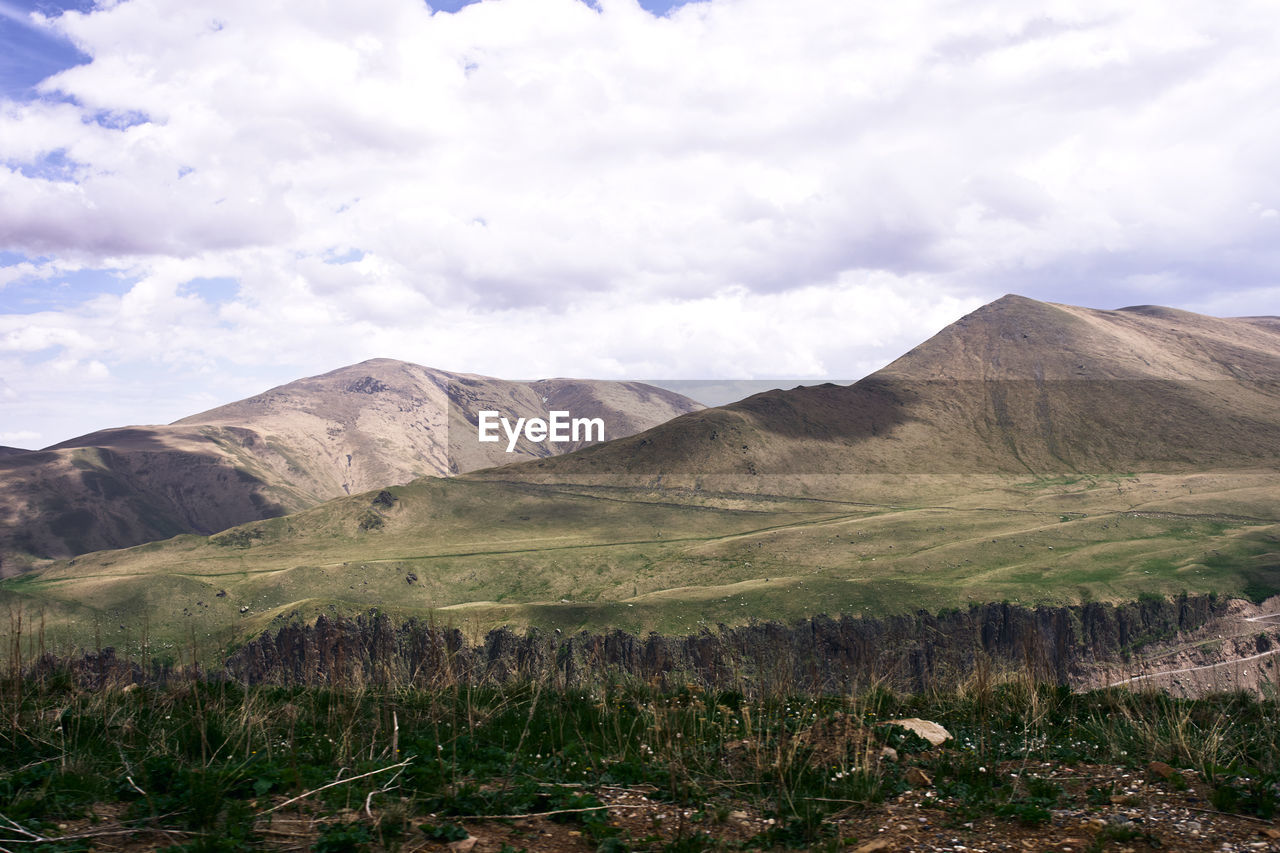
1246,657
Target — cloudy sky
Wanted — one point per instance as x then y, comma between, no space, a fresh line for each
202,199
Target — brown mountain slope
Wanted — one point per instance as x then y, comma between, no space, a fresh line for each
373,424
12,451
385,422
1016,387
128,486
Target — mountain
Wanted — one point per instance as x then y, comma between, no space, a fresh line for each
384,422
11,451
1029,453
1017,387
373,424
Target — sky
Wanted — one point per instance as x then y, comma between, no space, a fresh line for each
201,200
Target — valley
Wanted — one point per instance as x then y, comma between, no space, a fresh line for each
477,555
1031,453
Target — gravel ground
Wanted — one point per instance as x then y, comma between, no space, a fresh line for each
1146,813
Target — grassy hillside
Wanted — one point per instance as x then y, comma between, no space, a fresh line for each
1029,452
479,554
369,425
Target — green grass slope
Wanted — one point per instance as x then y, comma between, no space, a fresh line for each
1030,452
476,555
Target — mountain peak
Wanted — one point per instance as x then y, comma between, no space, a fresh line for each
1015,386
1016,338
378,423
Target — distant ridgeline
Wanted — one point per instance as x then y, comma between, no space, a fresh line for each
825,654
363,427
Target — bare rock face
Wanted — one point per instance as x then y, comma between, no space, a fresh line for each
367,385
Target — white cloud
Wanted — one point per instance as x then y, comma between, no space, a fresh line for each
745,187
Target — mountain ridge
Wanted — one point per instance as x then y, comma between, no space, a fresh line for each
1030,453
1017,386
369,425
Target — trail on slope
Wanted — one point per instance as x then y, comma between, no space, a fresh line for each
1261,618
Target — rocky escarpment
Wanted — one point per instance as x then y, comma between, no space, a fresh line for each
914,652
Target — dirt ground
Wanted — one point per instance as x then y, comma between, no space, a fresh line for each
1145,811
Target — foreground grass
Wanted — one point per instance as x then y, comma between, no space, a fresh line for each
214,766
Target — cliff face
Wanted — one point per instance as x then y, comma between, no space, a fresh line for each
924,651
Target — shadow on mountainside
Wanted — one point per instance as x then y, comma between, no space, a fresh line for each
57,505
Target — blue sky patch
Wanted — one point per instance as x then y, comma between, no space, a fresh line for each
60,292
29,53
118,119
212,290
348,257
51,166
8,259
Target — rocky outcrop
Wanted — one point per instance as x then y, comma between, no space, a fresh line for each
910,652
104,670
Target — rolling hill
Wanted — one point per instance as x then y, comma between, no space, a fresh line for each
1030,452
373,424
1018,387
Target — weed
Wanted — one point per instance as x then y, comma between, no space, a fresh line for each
343,838
207,760
444,832
1100,795
1122,833
1256,796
